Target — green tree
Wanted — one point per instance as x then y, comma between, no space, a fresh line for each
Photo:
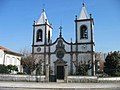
83,69
112,64
3,69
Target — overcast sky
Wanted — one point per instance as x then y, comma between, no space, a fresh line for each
17,16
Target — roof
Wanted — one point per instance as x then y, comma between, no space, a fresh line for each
83,13
43,18
9,51
4,49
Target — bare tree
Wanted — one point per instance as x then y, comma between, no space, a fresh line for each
27,61
32,63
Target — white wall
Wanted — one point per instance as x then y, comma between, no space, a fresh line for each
43,29
13,60
8,59
67,59
1,56
87,23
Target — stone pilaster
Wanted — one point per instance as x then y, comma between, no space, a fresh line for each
66,73
47,73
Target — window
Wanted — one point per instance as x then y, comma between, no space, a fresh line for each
60,44
39,35
83,32
48,36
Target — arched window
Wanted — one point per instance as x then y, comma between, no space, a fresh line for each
39,36
48,36
83,32
60,43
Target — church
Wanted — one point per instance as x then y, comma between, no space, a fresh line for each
59,54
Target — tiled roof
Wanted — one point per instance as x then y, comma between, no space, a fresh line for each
9,51
4,49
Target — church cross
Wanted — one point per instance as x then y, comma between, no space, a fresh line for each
83,2
60,31
60,28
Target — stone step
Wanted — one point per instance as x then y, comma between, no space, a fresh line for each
60,80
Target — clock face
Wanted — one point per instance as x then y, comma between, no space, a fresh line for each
84,47
38,49
60,54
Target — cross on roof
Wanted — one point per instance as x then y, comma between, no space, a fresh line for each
60,31
60,28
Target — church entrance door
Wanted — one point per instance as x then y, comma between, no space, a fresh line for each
60,72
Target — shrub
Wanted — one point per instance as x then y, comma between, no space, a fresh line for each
7,69
3,69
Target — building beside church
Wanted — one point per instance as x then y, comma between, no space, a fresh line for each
8,57
60,53
99,62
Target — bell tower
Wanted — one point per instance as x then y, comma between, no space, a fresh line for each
42,37
42,31
84,26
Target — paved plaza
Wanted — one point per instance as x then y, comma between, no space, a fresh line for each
58,86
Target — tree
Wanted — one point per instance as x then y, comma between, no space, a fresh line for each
30,62
27,61
112,64
83,65
3,69
82,69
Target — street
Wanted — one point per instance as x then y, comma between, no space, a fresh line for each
56,89
56,86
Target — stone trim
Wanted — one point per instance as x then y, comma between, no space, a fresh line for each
33,38
67,52
66,43
43,25
83,20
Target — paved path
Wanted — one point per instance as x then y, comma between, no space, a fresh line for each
34,85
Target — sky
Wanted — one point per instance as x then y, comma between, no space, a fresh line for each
17,16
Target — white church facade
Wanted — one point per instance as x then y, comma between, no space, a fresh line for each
61,53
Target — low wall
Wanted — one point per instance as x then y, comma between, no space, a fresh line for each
91,79
110,79
70,79
81,79
26,78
